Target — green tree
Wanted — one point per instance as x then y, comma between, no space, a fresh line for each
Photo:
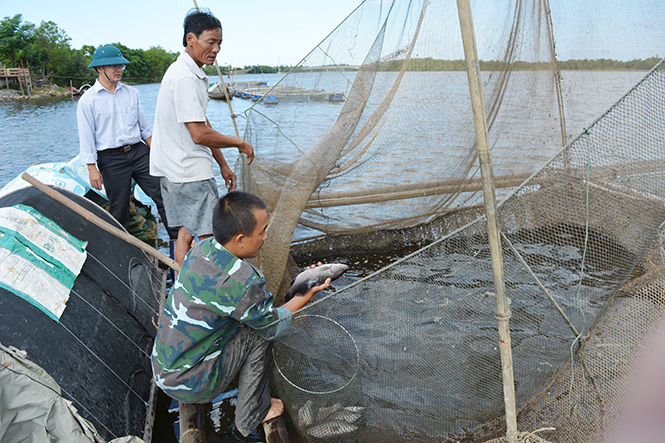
15,39
159,61
50,49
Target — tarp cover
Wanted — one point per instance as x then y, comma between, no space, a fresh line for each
32,409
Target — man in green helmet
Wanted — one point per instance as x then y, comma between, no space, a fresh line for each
114,137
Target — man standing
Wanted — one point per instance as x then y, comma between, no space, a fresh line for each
114,136
185,144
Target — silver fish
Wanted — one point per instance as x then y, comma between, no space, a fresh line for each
313,277
331,429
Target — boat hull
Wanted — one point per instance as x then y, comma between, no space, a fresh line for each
99,350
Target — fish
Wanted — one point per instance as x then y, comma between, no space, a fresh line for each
314,277
331,429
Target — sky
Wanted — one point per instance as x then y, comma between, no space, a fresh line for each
272,32
267,32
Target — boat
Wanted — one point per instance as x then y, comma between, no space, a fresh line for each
86,315
270,100
216,91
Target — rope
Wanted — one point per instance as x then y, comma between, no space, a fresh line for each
110,322
103,363
535,277
579,285
123,283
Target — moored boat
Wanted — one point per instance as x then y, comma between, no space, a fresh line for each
216,91
83,305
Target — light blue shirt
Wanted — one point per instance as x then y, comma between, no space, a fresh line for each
107,120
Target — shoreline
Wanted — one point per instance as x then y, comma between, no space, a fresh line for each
49,91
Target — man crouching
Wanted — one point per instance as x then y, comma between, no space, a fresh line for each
209,331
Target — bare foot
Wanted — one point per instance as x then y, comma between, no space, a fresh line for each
276,409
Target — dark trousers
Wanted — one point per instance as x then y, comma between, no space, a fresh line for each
247,354
118,169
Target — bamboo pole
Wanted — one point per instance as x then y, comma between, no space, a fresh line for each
99,222
482,139
226,92
409,191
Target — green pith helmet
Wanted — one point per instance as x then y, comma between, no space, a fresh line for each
107,55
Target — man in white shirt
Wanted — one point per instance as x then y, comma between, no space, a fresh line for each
185,144
114,137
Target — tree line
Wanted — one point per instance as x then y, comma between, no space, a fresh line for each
46,50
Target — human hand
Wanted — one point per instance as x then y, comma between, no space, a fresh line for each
229,177
95,177
247,149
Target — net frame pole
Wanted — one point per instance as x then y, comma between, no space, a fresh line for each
502,312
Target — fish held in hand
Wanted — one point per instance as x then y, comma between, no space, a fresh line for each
314,277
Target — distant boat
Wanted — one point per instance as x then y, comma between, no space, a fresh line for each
270,100
216,91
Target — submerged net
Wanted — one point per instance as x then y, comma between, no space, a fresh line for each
410,352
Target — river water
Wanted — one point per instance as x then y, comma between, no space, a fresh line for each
44,131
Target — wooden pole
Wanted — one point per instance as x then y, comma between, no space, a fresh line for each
191,423
482,139
390,193
25,80
20,83
226,92
99,222
28,79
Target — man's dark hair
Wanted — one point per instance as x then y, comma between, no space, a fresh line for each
198,21
233,215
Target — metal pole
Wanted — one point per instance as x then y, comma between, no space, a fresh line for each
502,312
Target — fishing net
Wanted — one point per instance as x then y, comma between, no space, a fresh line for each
411,352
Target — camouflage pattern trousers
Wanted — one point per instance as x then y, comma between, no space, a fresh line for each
246,355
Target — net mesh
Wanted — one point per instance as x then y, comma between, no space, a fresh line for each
410,352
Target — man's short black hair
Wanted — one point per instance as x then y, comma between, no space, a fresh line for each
198,21
234,215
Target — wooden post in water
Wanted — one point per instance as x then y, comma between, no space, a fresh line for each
502,312
275,430
25,80
191,423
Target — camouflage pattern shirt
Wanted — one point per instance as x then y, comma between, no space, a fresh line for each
214,293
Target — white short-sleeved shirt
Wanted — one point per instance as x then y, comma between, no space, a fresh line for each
183,98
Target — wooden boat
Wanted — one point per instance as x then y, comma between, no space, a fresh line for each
95,342
216,91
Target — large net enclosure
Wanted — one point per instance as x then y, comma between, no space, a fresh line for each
370,159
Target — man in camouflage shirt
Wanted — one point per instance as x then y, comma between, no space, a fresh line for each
209,331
